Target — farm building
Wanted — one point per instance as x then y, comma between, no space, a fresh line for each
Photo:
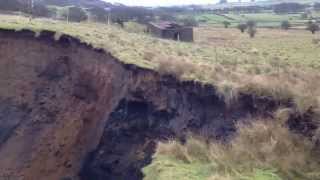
171,30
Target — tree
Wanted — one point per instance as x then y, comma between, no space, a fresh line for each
76,14
313,27
285,25
226,24
242,27
251,24
252,31
120,22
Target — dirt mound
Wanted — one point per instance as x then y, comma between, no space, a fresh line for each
69,111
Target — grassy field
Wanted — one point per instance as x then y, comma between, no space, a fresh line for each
266,19
293,47
264,150
278,64
228,58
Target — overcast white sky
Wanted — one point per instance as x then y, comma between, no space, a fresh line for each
164,2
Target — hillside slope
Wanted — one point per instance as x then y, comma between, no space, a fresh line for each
71,111
84,100
83,3
62,99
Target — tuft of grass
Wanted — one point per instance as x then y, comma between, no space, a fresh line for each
168,168
133,27
303,104
228,92
174,66
268,87
267,144
260,150
174,149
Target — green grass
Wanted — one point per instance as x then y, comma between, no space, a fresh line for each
168,168
279,64
133,27
212,18
264,19
262,150
273,61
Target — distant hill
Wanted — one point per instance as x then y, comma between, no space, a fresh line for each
82,3
258,3
284,1
287,1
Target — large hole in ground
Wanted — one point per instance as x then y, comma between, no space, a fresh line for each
55,106
136,126
54,100
128,142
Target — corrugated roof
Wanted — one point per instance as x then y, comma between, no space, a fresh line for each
166,25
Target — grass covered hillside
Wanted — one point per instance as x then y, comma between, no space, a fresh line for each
276,64
280,64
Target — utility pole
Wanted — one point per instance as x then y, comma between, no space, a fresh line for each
108,18
68,13
31,6
109,15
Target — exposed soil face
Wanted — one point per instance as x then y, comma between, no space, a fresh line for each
68,110
166,111
54,100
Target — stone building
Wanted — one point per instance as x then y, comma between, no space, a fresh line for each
171,30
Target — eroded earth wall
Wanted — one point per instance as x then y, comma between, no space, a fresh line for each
69,111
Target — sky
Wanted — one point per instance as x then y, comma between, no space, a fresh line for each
164,2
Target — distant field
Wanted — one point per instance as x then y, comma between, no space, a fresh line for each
291,47
262,19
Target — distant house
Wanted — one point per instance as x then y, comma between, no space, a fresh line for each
171,30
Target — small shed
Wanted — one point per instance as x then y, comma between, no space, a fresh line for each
171,30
